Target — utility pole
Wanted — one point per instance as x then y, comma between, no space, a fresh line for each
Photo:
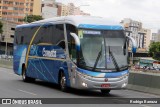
6,49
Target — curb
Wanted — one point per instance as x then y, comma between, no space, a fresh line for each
6,66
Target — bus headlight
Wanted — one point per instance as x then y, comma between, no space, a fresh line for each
84,84
124,85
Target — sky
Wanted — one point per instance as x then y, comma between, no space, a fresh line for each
146,11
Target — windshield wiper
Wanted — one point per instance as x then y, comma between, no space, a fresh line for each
97,59
113,59
124,67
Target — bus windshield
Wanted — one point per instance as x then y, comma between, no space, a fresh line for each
102,50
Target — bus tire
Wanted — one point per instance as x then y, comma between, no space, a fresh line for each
62,82
105,91
26,78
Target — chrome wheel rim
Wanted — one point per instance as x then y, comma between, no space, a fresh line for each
24,75
63,82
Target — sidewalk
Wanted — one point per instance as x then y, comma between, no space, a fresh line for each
6,63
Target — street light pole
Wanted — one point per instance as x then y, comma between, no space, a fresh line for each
6,49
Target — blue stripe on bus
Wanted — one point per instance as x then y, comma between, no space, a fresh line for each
101,27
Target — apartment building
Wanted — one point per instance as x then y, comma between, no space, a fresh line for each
16,10
141,35
49,9
147,37
12,12
6,39
69,9
156,37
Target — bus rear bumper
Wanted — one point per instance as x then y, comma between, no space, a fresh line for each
88,82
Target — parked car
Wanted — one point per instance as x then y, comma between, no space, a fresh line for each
149,68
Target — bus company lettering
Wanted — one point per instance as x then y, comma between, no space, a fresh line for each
49,53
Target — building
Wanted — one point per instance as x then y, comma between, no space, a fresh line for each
158,36
59,8
49,9
147,37
63,10
16,10
69,9
13,12
6,39
141,35
154,37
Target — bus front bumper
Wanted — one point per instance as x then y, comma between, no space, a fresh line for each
89,82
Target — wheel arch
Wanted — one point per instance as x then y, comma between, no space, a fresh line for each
61,70
23,66
65,72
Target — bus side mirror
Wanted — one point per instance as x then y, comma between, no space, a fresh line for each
134,44
77,41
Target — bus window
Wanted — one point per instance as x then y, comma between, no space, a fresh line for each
61,44
50,34
22,39
16,36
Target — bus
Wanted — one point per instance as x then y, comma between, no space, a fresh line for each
82,52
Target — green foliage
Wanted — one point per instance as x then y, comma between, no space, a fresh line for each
32,18
154,50
1,27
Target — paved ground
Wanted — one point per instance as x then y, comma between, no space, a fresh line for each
12,86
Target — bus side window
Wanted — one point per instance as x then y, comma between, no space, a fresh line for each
61,44
16,36
22,39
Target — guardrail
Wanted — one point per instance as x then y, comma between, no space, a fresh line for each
145,82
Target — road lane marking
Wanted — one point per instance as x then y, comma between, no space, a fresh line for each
27,92
145,106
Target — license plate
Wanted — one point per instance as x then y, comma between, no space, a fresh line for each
105,85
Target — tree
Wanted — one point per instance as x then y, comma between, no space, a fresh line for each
1,27
154,50
32,18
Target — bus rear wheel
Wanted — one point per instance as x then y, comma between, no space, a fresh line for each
62,82
26,78
105,91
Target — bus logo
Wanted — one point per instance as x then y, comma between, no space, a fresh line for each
49,53
105,79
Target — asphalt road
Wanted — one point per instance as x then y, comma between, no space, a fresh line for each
12,86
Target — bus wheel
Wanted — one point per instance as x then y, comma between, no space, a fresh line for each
25,78
105,91
62,82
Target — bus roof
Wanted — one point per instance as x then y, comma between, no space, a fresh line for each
80,22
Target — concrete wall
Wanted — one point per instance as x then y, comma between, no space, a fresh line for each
145,82
6,63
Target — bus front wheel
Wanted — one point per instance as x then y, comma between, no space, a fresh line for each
105,91
62,82
25,78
